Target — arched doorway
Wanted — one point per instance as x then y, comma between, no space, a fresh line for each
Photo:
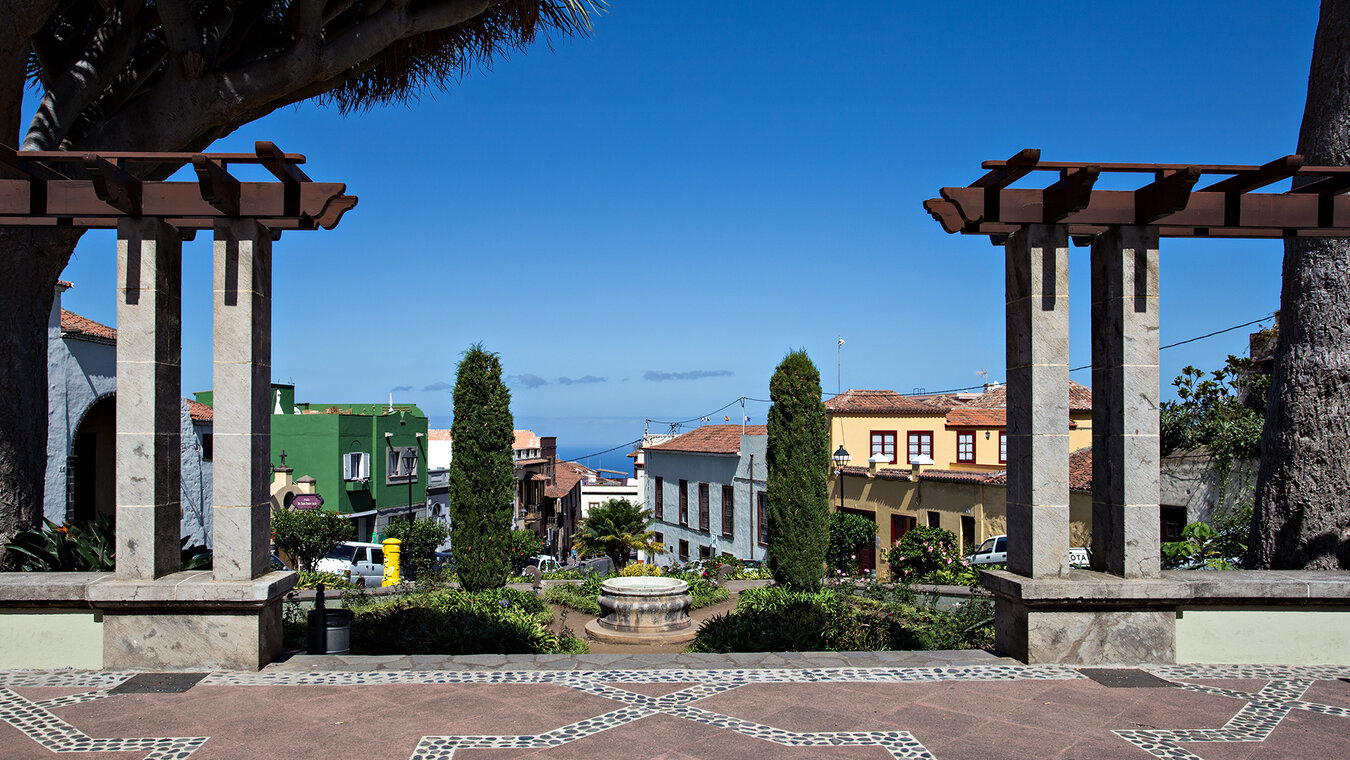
91,476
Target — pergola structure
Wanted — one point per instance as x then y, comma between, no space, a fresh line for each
1126,609
155,616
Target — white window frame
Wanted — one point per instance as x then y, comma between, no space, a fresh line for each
356,466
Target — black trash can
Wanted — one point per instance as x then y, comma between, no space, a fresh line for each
330,631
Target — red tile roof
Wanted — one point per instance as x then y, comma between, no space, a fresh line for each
439,434
1080,398
881,474
886,402
200,412
957,476
1080,472
76,326
965,417
525,439
711,439
565,478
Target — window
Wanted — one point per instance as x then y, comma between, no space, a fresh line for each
401,464
1002,446
356,466
763,509
660,500
965,446
684,502
728,510
934,519
208,447
660,538
920,445
704,552
684,550
883,444
703,507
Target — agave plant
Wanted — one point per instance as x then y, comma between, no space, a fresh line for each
85,545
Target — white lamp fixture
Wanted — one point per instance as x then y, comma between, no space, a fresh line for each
841,456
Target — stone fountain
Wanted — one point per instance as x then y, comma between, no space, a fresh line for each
643,610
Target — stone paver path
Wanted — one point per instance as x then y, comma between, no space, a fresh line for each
944,705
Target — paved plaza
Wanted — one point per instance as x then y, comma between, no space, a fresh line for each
945,705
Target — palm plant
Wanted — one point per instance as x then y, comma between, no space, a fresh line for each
77,546
616,529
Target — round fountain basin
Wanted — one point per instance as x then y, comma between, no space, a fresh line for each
641,608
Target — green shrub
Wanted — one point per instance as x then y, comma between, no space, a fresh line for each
450,621
525,544
798,462
778,619
309,534
420,539
79,546
639,569
331,581
923,551
575,596
850,533
783,620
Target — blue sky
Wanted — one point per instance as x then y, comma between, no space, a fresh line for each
643,222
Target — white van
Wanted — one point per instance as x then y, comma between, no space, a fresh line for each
994,551
360,563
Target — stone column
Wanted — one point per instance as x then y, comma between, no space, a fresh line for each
149,359
242,379
1038,400
1125,458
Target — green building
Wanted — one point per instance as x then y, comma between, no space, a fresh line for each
368,461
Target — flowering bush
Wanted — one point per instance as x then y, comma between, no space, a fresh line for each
850,534
639,568
923,553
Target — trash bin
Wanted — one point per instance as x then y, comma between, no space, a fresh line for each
330,631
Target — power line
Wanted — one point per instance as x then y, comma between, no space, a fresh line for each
616,448
740,399
1162,348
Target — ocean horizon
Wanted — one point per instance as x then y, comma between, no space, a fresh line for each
589,455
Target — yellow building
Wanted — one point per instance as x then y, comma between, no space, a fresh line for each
940,460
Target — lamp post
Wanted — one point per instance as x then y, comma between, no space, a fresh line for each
841,458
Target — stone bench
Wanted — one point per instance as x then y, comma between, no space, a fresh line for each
1190,616
184,620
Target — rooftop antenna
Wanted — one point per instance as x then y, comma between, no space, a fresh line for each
838,366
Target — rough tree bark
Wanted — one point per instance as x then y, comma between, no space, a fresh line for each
1302,518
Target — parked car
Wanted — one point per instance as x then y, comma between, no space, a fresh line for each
544,562
994,551
277,564
360,563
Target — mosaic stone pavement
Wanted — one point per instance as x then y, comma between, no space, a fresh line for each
1262,712
39,724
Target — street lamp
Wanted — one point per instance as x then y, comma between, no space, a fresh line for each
841,458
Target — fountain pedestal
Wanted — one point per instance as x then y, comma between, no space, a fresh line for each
643,610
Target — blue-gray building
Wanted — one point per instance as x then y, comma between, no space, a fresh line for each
706,489
81,428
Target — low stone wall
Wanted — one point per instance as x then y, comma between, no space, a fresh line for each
1237,617
185,620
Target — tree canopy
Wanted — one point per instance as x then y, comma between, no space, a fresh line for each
615,529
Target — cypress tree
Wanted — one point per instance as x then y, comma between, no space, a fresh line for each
482,479
798,466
